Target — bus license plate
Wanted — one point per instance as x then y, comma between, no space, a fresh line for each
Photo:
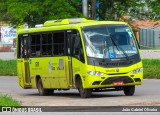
118,83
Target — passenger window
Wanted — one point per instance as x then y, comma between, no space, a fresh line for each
47,44
20,47
35,45
58,43
23,46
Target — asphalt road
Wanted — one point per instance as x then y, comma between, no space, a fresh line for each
146,94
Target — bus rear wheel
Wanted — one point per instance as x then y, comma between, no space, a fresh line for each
129,90
41,90
50,91
84,93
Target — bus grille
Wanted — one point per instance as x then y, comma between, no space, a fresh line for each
116,64
110,80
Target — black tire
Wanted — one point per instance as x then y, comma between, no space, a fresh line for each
84,93
41,90
129,90
50,91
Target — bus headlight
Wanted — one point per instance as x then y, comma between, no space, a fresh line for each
95,73
135,71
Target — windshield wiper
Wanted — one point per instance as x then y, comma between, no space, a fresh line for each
125,54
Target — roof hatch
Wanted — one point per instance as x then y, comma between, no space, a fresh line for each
66,21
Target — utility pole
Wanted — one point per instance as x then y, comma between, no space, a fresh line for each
85,7
93,6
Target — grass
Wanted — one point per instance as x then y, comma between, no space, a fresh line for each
8,68
156,48
151,68
8,101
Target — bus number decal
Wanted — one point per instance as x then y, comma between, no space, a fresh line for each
36,64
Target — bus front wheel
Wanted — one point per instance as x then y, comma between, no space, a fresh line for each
41,90
84,93
129,90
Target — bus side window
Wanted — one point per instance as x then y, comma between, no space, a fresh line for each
35,45
20,47
23,46
46,44
77,50
58,43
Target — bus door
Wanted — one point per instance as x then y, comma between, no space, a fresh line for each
25,61
75,55
69,50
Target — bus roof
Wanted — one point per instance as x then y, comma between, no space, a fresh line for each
66,24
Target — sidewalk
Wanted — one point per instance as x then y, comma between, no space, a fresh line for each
150,54
7,55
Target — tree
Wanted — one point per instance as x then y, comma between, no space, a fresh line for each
145,9
93,11
38,11
114,9
137,9
154,6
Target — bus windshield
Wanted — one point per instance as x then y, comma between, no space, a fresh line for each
109,41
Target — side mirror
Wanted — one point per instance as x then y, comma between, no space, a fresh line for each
138,43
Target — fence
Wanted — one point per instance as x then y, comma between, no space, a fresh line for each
149,38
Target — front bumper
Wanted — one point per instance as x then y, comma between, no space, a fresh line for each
109,80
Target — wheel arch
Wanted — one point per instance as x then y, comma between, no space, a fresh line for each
37,78
77,78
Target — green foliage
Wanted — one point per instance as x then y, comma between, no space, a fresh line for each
151,68
8,101
37,11
146,9
154,6
136,9
114,9
8,68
